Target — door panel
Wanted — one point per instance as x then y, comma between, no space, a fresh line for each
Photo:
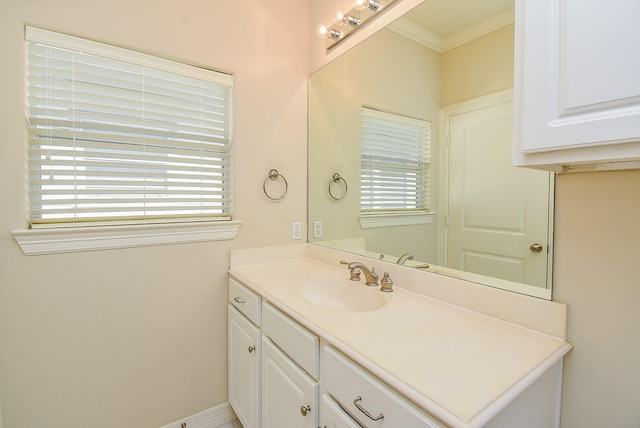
496,211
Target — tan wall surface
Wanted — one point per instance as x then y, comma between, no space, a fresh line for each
597,273
481,67
137,337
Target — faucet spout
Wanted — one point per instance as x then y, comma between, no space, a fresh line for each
371,277
403,258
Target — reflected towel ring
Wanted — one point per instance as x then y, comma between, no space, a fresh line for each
336,179
274,175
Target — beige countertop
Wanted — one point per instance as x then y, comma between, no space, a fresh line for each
460,365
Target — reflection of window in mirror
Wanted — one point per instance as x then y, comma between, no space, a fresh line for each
394,175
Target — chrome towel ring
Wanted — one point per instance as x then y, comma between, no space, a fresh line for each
274,175
336,179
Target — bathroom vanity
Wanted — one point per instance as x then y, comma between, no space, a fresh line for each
309,348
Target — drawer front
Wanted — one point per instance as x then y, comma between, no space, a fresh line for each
332,416
359,393
246,301
297,342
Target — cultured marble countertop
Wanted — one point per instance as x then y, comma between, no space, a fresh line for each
460,365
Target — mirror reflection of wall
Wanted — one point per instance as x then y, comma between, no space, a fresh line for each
402,71
380,75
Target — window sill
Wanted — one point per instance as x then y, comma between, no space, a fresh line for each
374,221
67,240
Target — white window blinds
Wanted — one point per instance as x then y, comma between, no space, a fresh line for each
116,136
395,163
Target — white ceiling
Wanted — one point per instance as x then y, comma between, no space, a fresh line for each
445,24
446,17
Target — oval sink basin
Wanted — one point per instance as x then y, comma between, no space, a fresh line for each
341,295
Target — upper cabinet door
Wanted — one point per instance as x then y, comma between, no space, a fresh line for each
577,82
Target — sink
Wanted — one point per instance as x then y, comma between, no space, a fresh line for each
341,295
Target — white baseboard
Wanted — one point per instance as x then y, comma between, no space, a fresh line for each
221,416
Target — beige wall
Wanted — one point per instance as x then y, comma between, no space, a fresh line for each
481,67
597,273
137,337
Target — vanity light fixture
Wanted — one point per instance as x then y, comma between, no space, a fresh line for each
351,20
370,5
329,33
348,22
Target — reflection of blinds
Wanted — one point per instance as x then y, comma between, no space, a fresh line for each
395,163
117,136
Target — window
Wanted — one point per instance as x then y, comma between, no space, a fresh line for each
394,175
119,137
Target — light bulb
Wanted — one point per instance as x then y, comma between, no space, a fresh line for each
322,30
361,4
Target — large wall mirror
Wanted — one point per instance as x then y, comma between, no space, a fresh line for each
446,66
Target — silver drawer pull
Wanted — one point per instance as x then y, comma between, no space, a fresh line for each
251,349
238,300
304,410
356,403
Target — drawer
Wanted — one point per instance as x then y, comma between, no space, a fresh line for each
246,301
358,392
297,342
332,415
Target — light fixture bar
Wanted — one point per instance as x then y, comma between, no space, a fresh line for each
349,22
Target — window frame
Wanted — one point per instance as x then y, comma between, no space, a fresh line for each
97,236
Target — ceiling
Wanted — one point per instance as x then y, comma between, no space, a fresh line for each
446,17
444,24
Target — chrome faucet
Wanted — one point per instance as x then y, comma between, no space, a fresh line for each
371,277
403,258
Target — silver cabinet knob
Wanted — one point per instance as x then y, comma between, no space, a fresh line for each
535,248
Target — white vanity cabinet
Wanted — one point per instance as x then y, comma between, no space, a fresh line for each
244,345
577,90
299,365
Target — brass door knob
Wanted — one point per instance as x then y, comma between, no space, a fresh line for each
535,248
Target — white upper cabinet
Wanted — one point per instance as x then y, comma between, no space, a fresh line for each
577,84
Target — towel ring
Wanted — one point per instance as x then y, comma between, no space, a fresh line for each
274,175
336,179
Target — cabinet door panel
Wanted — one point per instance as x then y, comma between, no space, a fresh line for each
244,368
289,395
577,85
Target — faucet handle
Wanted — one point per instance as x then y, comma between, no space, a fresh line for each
386,283
353,272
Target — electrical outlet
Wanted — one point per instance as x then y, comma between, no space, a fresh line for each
296,230
317,229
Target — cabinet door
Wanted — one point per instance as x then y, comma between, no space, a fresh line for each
289,395
244,368
577,89
332,415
